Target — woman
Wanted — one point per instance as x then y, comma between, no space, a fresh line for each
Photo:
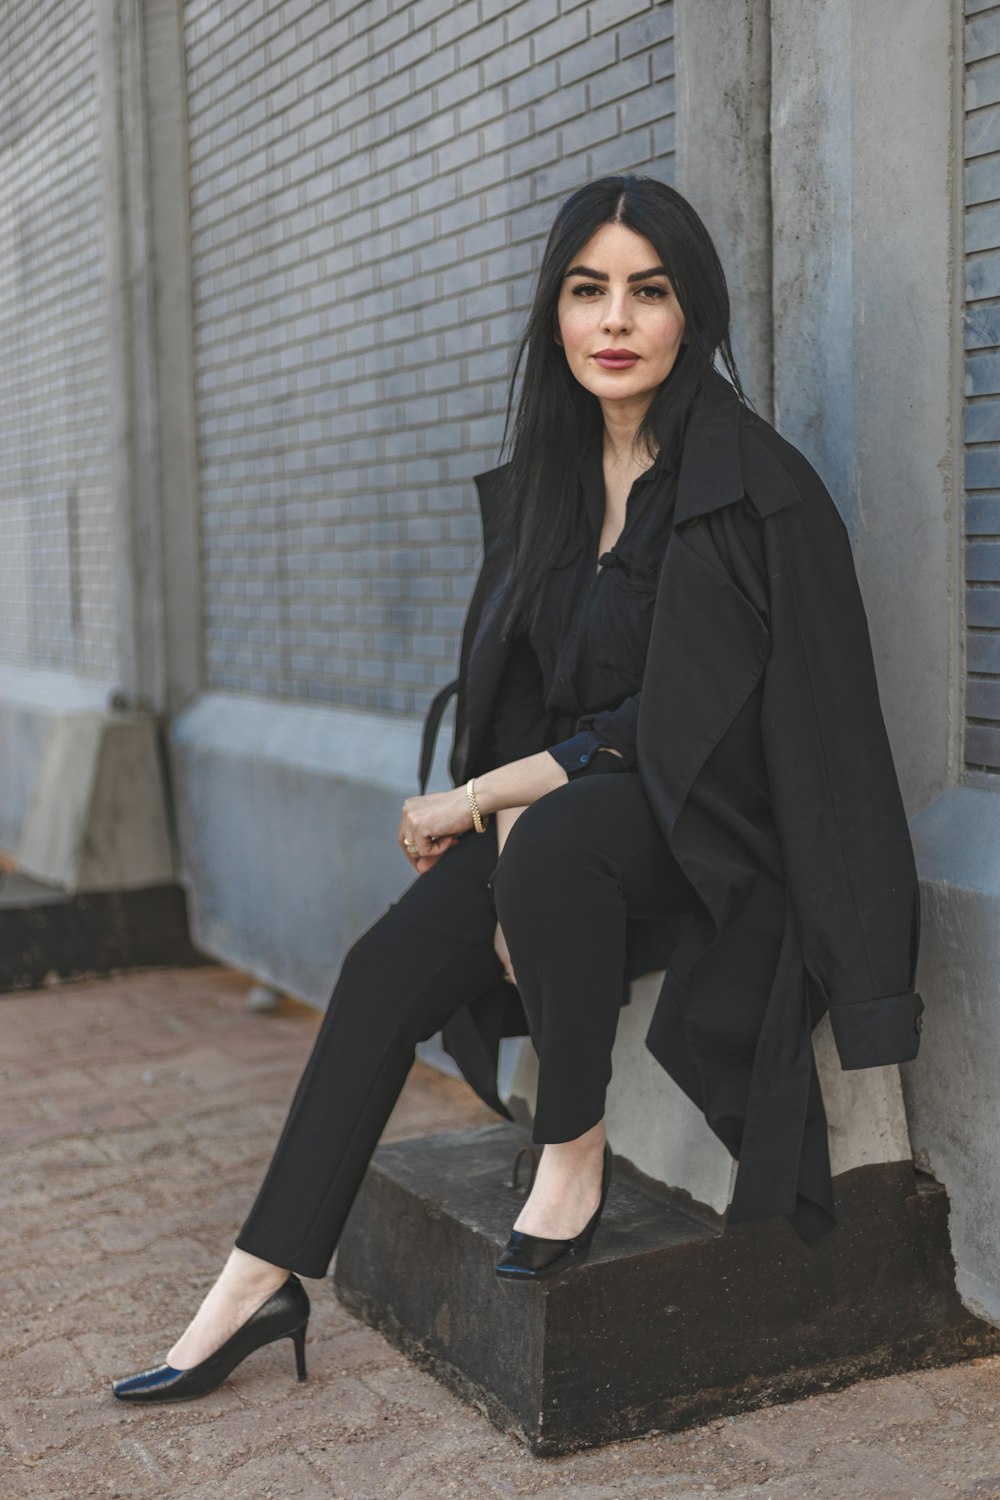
669,754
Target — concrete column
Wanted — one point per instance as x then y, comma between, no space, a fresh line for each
170,269
863,161
723,163
95,816
143,154
868,334
62,813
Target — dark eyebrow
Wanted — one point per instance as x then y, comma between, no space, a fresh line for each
603,275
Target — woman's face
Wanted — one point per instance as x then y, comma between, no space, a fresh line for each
616,299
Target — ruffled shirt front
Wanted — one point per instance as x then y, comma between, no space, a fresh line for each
572,684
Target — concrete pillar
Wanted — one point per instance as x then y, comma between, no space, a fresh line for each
723,163
862,170
874,239
144,165
96,810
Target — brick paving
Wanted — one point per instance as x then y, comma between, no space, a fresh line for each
137,1115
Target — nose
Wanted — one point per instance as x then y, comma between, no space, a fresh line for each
616,318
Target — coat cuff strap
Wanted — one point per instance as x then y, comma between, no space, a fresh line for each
875,1033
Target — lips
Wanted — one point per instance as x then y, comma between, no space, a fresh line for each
616,359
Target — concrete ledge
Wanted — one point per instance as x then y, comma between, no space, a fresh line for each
670,1322
47,935
952,1088
287,816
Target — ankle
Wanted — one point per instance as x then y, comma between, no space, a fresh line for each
249,1276
584,1148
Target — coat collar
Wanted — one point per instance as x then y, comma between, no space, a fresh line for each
716,466
711,471
721,461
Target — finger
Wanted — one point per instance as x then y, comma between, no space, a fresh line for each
425,862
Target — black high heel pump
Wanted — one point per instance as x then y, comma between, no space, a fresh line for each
531,1257
284,1315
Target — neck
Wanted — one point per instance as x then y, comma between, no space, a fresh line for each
621,423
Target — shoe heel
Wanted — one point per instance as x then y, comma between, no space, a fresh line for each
299,1340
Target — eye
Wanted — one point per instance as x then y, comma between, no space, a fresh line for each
583,291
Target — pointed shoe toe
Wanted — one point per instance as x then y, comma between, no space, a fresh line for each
284,1315
532,1257
148,1385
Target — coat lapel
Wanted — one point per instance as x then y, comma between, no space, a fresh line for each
484,652
709,642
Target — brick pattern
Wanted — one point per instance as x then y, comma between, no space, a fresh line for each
137,1117
57,587
982,385
371,185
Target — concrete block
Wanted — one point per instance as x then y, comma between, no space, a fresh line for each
96,819
670,1322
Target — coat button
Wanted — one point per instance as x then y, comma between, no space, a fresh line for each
918,1023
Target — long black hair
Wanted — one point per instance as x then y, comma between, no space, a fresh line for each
555,415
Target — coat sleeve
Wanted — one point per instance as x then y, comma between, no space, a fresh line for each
837,804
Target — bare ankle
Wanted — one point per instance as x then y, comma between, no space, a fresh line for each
250,1271
591,1143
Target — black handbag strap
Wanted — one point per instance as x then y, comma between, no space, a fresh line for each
431,725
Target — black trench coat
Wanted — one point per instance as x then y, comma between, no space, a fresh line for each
763,751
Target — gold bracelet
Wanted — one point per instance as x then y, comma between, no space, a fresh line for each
478,822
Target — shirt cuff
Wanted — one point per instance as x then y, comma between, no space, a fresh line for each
576,752
615,728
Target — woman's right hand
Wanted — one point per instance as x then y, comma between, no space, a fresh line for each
503,954
424,862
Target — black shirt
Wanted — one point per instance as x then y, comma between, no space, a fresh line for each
572,684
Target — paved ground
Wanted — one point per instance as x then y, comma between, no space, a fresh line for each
136,1117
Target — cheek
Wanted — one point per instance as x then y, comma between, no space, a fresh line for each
667,332
575,323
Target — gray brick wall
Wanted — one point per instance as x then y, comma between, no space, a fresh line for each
369,199
982,385
56,564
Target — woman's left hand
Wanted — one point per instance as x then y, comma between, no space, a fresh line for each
433,823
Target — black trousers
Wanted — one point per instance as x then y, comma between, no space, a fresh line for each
576,864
